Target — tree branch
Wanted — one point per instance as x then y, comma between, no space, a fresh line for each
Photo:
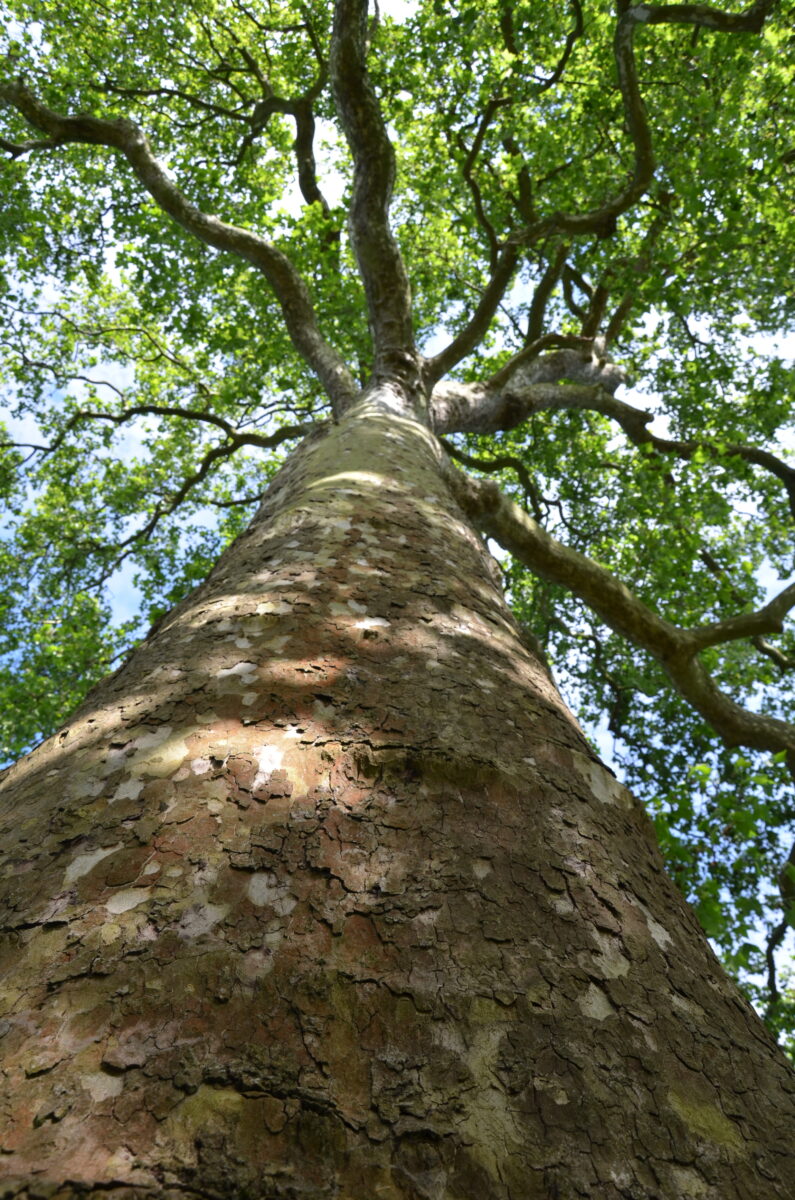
471,156
757,641
602,220
381,266
509,40
237,436
287,284
543,290
533,350
500,462
768,619
211,456
750,21
475,329
675,649
484,408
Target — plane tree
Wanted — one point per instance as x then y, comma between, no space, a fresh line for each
323,890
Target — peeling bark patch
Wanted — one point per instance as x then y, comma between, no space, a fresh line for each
201,920
84,863
706,1120
595,1004
658,932
101,1086
123,901
264,888
604,786
129,789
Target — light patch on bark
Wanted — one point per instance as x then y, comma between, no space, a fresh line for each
276,643
556,1093
264,888
689,1185
248,670
610,962
256,963
159,753
272,606
595,1004
101,1086
128,789
113,760
688,1006
201,920
490,1122
707,1120
601,783
658,932
125,900
81,864
371,623
269,759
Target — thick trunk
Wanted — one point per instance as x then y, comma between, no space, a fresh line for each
324,895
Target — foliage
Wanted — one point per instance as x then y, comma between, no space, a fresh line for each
147,376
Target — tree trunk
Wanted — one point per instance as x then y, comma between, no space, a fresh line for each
324,894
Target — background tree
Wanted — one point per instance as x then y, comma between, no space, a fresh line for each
210,220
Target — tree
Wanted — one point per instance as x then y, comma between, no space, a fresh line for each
323,892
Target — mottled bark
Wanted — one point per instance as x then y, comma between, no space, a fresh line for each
324,895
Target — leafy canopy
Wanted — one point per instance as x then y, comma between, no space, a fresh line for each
153,385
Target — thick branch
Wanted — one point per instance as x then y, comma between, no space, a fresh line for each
483,408
751,21
381,266
675,649
532,351
301,109
479,408
287,284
